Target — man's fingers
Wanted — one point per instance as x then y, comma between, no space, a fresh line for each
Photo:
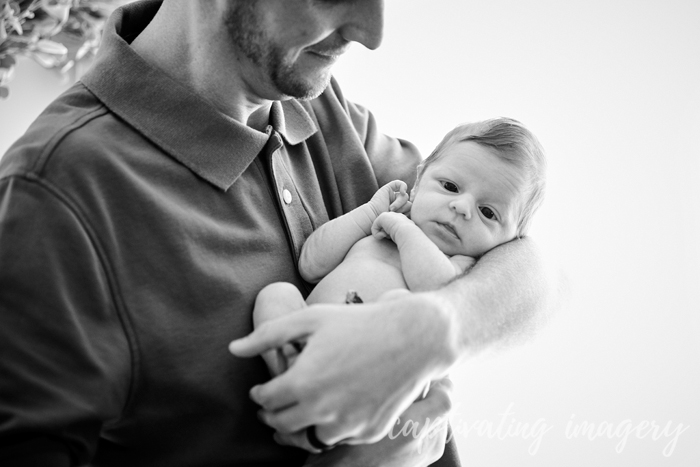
275,333
276,362
437,403
298,439
443,384
275,394
290,420
291,423
439,397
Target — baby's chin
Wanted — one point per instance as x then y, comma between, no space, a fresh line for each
469,249
477,253
452,251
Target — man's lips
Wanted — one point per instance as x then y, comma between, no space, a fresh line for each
325,58
329,53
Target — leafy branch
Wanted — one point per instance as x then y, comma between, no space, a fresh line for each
55,33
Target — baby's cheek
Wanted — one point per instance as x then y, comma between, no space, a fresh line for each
484,241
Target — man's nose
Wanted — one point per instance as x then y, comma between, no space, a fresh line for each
365,23
463,206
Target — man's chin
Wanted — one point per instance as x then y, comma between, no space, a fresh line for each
303,89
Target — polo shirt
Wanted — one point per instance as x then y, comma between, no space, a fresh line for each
137,224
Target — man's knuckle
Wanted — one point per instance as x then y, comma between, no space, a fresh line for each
375,434
300,389
282,427
445,403
438,449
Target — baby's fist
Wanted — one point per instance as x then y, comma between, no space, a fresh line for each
392,197
387,224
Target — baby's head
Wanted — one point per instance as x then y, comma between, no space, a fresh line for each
480,187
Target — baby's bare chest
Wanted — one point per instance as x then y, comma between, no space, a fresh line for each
371,268
372,250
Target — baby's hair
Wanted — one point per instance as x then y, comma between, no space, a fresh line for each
511,142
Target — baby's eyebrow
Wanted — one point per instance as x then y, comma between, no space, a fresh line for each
504,207
502,200
498,200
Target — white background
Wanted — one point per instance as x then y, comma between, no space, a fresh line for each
612,89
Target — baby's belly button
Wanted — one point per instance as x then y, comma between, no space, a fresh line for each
368,281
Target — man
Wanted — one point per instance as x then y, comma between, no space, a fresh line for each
145,208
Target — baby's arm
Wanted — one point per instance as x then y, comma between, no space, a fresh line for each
327,246
424,266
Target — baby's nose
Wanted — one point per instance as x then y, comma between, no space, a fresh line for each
463,207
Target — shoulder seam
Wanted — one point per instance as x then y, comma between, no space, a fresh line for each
64,131
119,304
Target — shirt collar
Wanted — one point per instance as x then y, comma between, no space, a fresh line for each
173,116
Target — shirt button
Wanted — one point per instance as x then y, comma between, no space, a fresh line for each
286,196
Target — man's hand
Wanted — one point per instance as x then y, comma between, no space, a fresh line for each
360,369
416,440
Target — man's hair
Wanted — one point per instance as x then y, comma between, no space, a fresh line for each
511,142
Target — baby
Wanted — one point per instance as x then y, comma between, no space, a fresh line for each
478,189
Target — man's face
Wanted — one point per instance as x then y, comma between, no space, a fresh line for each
467,201
291,45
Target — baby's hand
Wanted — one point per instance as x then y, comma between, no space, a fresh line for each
387,224
392,197
400,203
462,263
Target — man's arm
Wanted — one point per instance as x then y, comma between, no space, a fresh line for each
65,362
423,265
327,246
505,296
362,367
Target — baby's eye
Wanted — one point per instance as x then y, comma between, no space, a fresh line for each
488,212
449,186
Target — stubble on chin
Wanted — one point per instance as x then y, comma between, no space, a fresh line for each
287,80
246,32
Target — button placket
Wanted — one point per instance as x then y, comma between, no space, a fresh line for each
286,196
296,218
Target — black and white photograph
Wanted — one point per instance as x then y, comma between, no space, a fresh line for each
326,233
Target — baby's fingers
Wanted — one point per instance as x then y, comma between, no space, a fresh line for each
405,208
401,199
378,231
397,186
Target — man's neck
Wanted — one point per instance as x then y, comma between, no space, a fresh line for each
175,42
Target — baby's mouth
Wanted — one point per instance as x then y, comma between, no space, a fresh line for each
450,229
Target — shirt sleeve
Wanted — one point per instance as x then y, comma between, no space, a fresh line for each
65,368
